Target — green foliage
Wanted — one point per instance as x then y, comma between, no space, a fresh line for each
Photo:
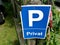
56,19
9,13
21,1
8,35
44,1
56,25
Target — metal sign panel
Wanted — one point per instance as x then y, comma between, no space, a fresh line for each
34,19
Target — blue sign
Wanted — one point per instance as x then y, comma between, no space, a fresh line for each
34,19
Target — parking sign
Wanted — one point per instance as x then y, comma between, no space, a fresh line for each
34,19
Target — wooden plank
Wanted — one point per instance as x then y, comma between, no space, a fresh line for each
18,28
48,36
14,8
19,32
29,41
33,41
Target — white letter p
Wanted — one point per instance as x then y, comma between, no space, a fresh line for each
31,19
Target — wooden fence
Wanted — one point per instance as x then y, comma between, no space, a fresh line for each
17,8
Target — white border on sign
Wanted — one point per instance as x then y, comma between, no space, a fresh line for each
48,20
34,5
22,20
22,23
